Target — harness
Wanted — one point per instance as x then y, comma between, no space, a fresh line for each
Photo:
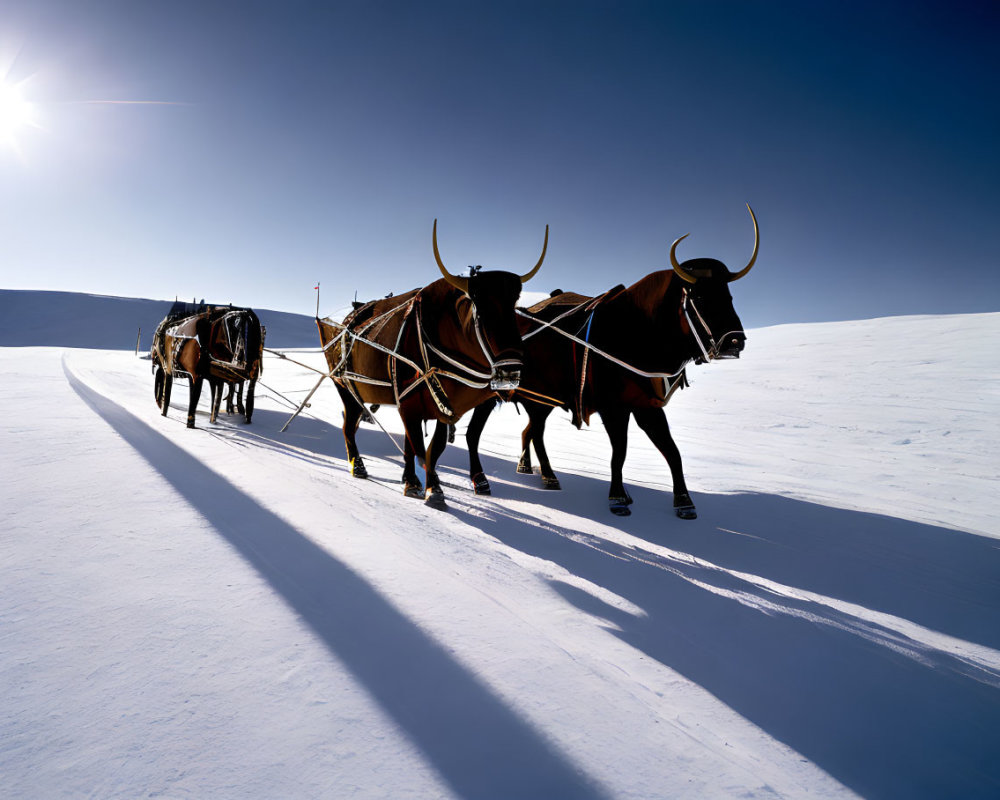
428,374
676,380
235,330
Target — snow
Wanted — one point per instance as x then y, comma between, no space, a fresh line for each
224,612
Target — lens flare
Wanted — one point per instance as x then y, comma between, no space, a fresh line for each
16,113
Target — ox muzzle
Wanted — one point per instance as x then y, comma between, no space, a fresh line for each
729,346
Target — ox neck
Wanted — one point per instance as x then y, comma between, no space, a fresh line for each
455,324
653,308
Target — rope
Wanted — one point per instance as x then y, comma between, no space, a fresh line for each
603,354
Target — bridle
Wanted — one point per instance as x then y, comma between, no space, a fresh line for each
498,366
712,351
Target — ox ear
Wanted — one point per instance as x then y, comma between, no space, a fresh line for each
756,243
545,246
455,280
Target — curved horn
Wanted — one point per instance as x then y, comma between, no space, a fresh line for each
677,267
545,246
455,280
756,244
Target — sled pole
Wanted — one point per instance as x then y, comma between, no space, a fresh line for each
283,357
138,338
304,403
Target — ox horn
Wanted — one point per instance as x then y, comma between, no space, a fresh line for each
756,244
545,246
455,280
677,267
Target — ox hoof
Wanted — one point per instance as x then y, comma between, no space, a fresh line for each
434,498
619,507
550,483
191,424
684,506
480,485
524,468
413,489
619,504
358,468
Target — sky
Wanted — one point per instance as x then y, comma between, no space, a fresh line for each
244,151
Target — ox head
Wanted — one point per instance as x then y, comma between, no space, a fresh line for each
708,303
494,295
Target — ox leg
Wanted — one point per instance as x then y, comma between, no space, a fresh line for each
475,430
168,384
195,397
230,392
434,495
524,463
653,422
251,385
352,418
414,445
216,388
158,387
616,424
534,435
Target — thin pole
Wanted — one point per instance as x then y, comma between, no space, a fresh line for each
137,340
305,403
317,299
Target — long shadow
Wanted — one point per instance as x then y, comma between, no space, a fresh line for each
477,744
940,579
750,602
886,715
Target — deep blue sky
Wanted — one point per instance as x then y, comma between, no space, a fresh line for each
311,142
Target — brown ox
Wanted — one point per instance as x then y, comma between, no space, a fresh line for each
622,354
221,344
434,352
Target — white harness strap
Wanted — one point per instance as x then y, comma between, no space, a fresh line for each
603,354
685,302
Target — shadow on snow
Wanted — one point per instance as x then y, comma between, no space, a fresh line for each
816,624
477,744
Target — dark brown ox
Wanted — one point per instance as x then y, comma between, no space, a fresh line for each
434,352
220,344
624,354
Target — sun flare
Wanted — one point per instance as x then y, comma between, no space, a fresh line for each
16,114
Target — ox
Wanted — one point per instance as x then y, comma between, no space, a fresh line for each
220,344
434,353
620,354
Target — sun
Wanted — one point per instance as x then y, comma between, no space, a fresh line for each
16,114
